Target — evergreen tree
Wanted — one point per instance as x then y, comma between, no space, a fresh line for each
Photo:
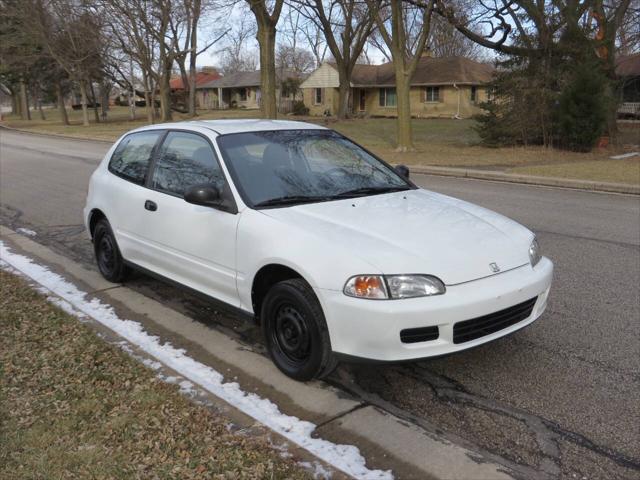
582,110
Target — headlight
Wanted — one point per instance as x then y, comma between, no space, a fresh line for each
393,286
534,253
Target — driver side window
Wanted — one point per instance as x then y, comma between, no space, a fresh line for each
184,160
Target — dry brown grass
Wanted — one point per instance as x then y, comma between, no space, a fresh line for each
73,406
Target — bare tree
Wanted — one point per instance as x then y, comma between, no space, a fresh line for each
290,55
406,42
267,19
314,38
346,24
446,41
130,25
185,42
294,59
71,33
629,31
235,56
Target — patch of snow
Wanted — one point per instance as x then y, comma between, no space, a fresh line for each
317,469
343,457
26,232
187,388
624,155
152,364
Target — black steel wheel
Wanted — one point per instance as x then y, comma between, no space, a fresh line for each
107,253
296,332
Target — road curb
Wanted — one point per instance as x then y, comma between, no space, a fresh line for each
385,440
527,179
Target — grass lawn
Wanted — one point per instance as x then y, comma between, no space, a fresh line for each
73,406
439,142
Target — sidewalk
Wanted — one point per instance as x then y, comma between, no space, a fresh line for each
497,176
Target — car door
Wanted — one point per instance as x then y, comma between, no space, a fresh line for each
124,206
191,244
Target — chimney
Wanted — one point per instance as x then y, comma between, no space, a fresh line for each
426,53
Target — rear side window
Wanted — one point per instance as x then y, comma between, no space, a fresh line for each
131,158
184,160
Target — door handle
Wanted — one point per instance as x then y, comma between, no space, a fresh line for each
151,206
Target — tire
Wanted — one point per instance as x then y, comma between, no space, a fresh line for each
108,256
295,331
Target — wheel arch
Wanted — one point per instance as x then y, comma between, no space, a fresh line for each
267,276
94,217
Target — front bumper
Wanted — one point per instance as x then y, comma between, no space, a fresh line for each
370,329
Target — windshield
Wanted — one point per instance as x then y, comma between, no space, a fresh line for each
286,167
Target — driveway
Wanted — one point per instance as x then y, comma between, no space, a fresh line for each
561,397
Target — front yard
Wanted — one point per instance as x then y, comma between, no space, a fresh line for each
73,406
439,142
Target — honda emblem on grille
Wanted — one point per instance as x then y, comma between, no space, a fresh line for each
494,267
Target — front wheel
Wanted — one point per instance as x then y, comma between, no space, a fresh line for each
295,331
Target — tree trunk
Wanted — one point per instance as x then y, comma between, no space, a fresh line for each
192,89
613,96
15,103
267,40
147,97
192,73
95,103
24,102
165,93
40,110
132,96
405,134
344,91
61,108
83,101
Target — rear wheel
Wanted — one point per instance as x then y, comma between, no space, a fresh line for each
295,331
108,257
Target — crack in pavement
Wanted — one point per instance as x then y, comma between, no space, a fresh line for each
547,432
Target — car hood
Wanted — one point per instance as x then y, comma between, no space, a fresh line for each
416,231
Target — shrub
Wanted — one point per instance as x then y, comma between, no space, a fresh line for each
299,108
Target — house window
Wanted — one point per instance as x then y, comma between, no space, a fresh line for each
317,96
432,94
388,97
474,93
243,94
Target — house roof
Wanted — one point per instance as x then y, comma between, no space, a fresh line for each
201,77
430,71
244,79
628,65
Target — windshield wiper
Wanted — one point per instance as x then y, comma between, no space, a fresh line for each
291,200
369,190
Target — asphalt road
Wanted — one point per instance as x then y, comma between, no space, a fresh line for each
561,398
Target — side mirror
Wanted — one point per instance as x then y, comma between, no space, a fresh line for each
206,195
402,170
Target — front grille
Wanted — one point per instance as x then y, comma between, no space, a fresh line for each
415,335
494,322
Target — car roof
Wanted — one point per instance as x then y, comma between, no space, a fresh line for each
223,127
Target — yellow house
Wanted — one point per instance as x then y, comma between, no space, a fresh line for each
448,87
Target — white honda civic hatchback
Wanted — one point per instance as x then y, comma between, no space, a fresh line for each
335,253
